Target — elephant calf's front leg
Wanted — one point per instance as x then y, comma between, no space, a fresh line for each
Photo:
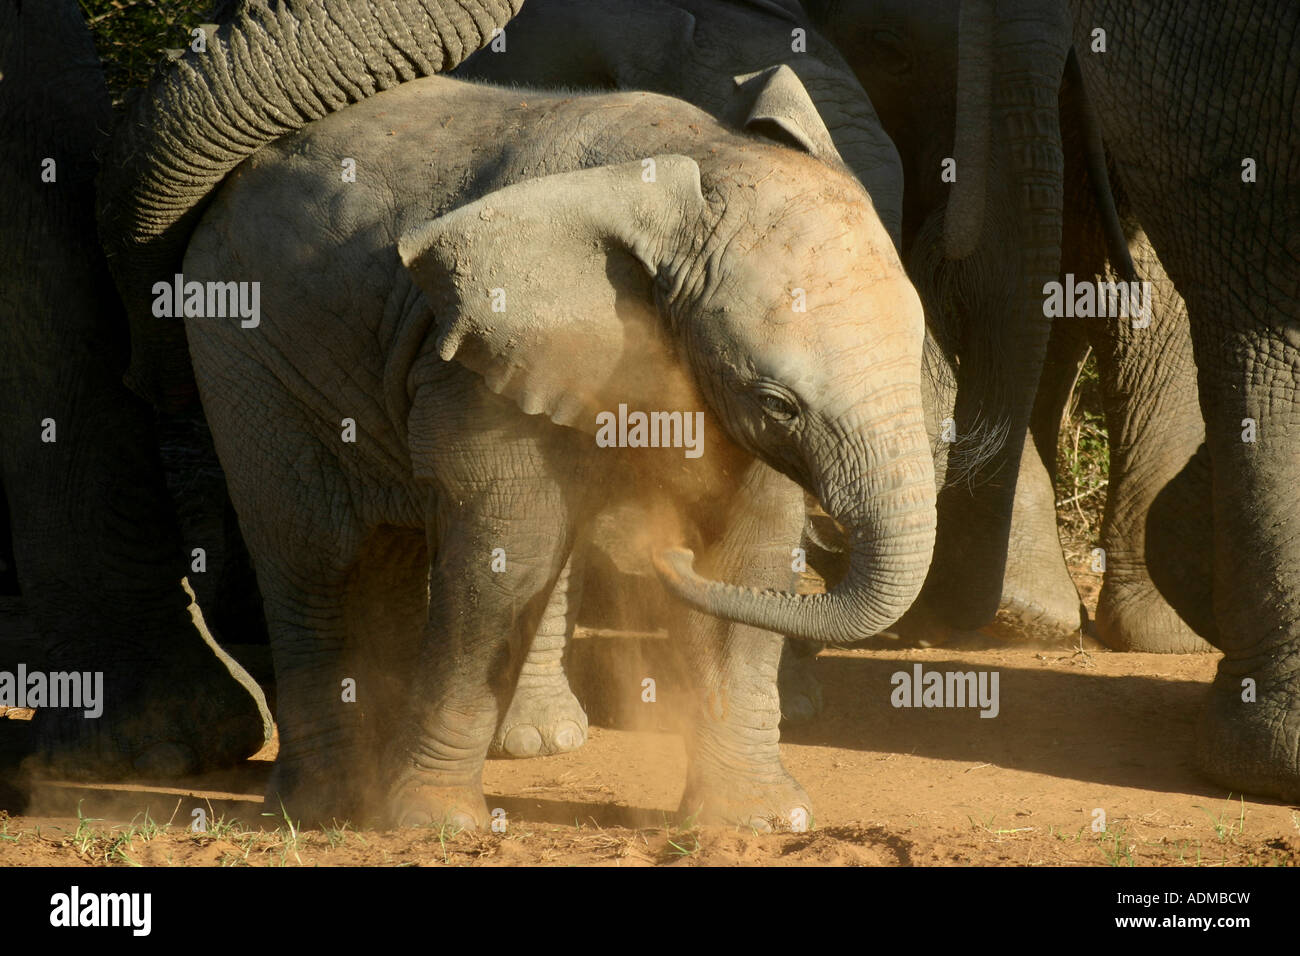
735,774
488,588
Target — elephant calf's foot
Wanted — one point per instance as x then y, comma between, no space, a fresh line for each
543,719
1252,745
764,802
797,686
322,791
161,719
417,802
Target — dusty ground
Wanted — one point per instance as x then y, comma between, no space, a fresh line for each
1076,732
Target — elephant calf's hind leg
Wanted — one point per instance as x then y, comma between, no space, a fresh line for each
545,717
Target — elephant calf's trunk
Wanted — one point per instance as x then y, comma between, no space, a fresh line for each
892,539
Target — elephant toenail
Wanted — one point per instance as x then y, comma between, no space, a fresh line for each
415,818
523,740
568,736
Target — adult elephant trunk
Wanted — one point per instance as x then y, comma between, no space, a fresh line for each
1007,142
275,67
886,504
964,220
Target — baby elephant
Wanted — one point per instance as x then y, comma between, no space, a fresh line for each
481,314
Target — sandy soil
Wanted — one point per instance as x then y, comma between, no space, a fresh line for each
1076,732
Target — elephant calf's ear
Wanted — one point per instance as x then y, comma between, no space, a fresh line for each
781,109
544,287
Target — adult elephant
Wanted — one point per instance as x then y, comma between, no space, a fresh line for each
94,541
1207,144
570,262
1212,186
907,56
1155,594
977,127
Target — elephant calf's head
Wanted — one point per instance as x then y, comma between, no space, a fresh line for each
784,299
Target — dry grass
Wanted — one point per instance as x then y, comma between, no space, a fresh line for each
131,36
1082,466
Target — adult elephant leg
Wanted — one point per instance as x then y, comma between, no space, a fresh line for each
1249,734
1039,599
544,717
1226,230
97,553
734,774
1159,548
1156,543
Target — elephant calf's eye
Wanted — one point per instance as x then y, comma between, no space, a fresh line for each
776,406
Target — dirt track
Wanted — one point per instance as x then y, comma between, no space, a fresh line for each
1075,732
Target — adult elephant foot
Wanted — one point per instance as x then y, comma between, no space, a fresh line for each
162,719
1158,592
1248,738
544,719
181,710
797,685
1134,616
418,802
1052,617
1039,602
